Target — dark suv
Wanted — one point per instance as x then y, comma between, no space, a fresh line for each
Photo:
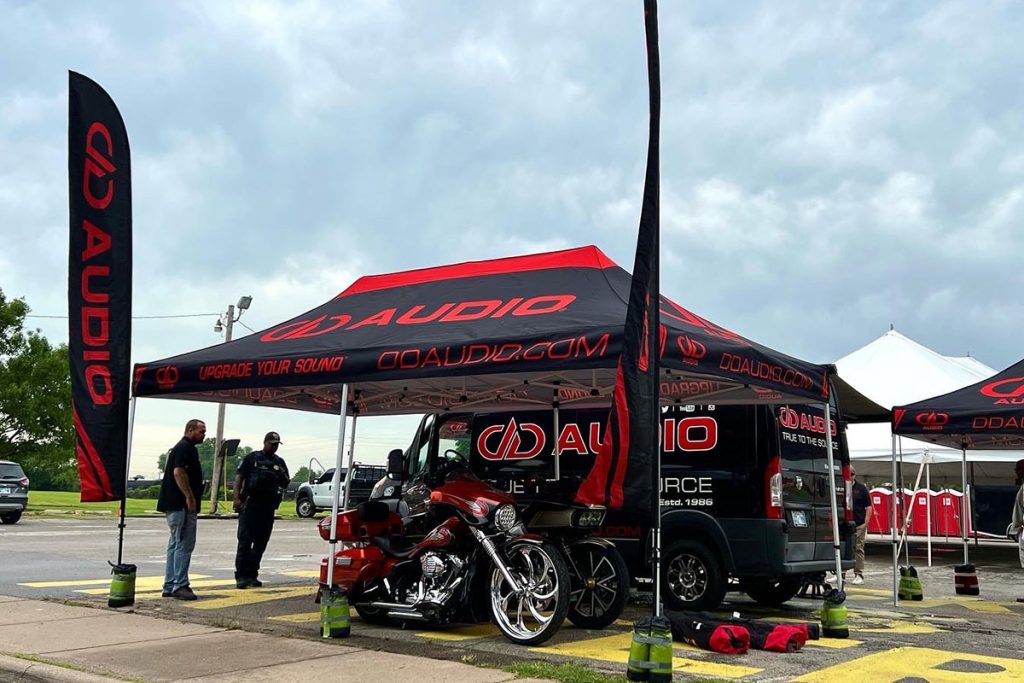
13,491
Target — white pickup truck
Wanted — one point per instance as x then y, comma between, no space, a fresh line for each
317,493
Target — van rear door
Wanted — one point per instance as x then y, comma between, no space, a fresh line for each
798,454
805,480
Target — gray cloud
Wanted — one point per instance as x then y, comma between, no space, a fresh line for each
827,169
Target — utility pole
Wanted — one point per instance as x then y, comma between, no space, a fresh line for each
218,459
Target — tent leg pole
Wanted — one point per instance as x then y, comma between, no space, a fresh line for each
970,508
963,499
830,458
335,482
928,507
558,450
124,490
892,529
351,459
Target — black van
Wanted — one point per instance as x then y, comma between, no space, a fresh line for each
744,492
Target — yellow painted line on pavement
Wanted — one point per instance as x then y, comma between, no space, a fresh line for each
303,618
146,590
616,649
934,666
901,627
304,573
249,596
974,604
141,582
835,643
462,632
857,591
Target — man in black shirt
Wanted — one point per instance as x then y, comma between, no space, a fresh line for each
180,493
861,516
261,479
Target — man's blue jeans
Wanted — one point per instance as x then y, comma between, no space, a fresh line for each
179,548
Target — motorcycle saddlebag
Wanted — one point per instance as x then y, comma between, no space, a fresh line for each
353,565
353,526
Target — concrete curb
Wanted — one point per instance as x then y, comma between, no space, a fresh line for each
28,670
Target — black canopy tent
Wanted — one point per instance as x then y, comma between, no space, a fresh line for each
503,334
498,334
987,415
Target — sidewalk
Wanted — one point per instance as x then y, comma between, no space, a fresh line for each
48,641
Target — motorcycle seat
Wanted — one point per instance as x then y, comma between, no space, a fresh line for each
395,546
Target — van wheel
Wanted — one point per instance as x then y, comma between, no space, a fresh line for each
691,577
304,507
772,592
599,585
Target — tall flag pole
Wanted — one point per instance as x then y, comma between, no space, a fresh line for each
99,290
627,470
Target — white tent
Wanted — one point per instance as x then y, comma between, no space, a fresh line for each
895,370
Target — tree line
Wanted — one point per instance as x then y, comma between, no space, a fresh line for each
36,425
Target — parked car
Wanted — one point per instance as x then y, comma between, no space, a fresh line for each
316,494
13,492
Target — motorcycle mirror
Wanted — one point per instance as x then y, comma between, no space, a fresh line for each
396,464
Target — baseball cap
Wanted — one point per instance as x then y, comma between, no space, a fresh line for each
272,437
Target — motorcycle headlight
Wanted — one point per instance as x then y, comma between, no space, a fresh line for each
505,517
588,519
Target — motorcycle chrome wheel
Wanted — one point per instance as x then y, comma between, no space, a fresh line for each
535,612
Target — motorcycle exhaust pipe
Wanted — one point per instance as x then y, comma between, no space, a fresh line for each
397,610
398,614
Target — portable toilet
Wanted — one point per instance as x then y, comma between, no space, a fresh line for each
881,511
919,521
946,521
903,509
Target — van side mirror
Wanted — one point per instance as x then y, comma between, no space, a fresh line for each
396,464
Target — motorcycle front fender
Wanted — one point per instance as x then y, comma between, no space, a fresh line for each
591,540
535,539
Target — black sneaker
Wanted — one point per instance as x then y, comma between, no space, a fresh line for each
184,593
255,583
167,594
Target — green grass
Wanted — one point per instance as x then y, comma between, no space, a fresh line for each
69,502
565,673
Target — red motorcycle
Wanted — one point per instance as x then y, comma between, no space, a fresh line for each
477,564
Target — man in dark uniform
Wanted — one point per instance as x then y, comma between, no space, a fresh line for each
180,493
261,479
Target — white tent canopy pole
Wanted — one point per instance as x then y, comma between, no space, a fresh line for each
335,480
910,515
351,458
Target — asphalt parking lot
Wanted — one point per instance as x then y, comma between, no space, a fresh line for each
942,638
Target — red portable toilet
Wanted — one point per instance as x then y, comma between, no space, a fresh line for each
919,520
881,511
947,513
903,509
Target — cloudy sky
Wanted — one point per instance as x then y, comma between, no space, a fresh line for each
828,168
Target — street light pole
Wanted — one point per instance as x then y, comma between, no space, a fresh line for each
218,459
